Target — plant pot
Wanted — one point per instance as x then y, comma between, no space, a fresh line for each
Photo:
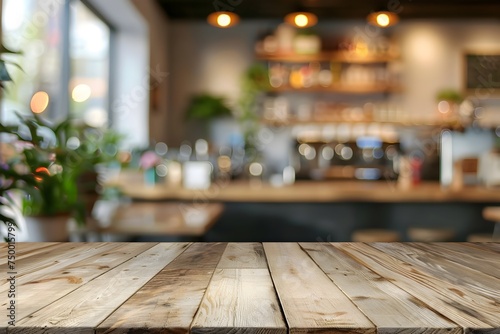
47,228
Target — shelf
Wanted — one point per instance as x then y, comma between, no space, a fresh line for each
345,89
413,123
334,56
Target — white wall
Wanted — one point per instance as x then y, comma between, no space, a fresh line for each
433,53
130,104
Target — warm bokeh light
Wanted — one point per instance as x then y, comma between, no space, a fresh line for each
223,20
39,102
301,20
383,20
41,170
81,93
224,163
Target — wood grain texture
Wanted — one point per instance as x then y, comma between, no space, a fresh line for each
468,310
40,288
390,308
490,246
49,257
434,264
243,256
476,258
25,249
349,288
168,303
311,302
83,309
199,256
240,301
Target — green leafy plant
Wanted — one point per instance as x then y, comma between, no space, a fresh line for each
4,72
255,81
449,95
5,77
50,161
206,107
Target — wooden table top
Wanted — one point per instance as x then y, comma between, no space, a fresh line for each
311,191
255,288
160,218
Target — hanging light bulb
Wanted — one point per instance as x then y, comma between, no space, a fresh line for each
301,19
223,19
383,19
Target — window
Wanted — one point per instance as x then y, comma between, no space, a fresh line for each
35,29
56,82
89,63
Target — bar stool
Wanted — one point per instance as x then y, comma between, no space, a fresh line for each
422,234
492,213
479,237
375,235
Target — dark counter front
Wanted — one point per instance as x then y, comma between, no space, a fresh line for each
281,288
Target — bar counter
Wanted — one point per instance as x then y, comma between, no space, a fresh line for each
254,288
313,191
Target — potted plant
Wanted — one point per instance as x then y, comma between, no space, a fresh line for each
46,171
211,115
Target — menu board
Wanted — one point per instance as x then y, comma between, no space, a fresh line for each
482,71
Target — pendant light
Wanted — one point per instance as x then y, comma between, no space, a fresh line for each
301,19
223,19
383,18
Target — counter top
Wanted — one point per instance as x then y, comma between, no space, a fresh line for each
254,288
313,191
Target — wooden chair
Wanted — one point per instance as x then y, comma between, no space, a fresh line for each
375,235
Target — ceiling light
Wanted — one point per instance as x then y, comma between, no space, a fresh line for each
383,19
223,19
301,19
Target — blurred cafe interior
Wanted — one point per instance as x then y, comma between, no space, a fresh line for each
262,120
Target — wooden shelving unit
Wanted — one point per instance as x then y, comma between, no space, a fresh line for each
334,56
343,89
410,123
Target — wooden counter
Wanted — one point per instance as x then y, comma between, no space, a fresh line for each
254,288
311,191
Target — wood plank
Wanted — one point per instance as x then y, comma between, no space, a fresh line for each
39,289
473,257
48,258
491,246
311,302
199,256
168,303
25,249
240,301
243,256
432,263
468,310
83,309
390,308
